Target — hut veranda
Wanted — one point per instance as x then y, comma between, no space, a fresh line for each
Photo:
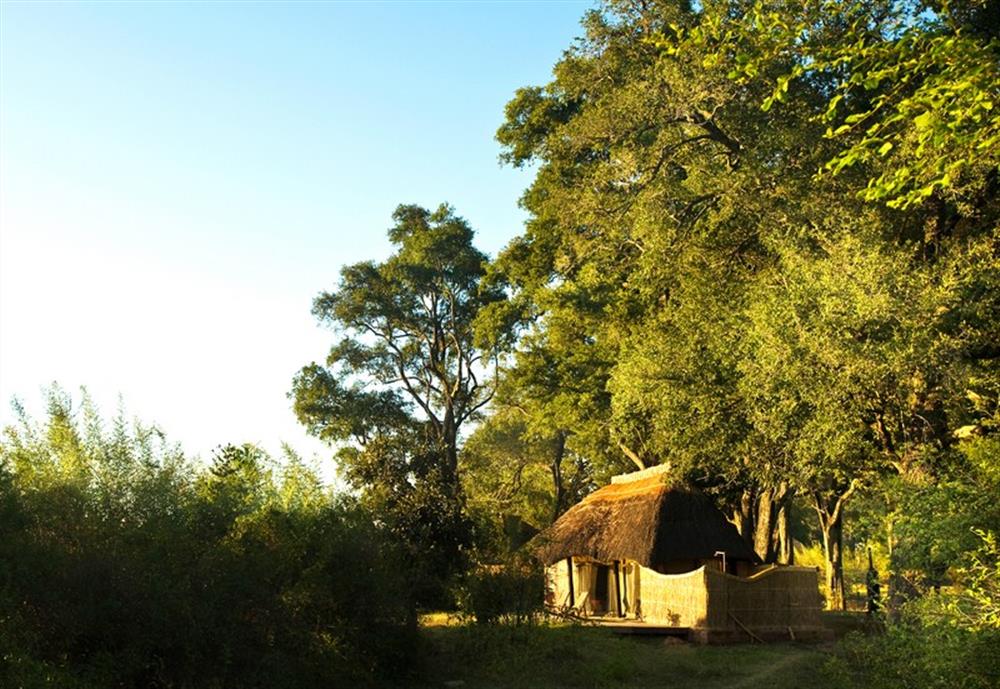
645,550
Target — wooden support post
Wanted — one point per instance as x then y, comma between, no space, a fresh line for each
569,568
625,586
618,588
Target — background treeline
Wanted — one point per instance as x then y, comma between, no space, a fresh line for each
762,247
124,565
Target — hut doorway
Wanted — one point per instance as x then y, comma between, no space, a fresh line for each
601,588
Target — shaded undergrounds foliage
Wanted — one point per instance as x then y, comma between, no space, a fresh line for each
124,565
919,654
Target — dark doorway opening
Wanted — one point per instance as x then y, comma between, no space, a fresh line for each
601,589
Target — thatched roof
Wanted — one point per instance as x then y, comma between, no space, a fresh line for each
646,518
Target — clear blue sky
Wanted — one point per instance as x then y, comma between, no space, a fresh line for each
179,180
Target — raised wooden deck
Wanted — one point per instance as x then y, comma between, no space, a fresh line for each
634,627
714,636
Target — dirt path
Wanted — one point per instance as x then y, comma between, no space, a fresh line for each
760,677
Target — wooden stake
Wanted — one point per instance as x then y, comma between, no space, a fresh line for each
746,629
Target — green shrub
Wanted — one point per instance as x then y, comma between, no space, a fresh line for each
932,645
913,656
123,566
508,593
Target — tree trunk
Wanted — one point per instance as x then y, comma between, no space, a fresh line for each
449,438
894,592
771,503
786,548
833,547
764,528
557,478
743,516
830,510
636,459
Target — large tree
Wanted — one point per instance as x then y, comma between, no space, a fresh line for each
406,373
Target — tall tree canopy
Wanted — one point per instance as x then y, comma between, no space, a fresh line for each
407,372
771,230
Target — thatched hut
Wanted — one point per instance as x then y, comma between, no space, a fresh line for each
645,550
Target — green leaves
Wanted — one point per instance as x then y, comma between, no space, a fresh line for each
756,227
929,86
408,340
408,371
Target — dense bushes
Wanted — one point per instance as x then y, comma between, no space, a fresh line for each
509,593
121,565
946,640
919,655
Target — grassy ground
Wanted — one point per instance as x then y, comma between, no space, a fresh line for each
482,657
